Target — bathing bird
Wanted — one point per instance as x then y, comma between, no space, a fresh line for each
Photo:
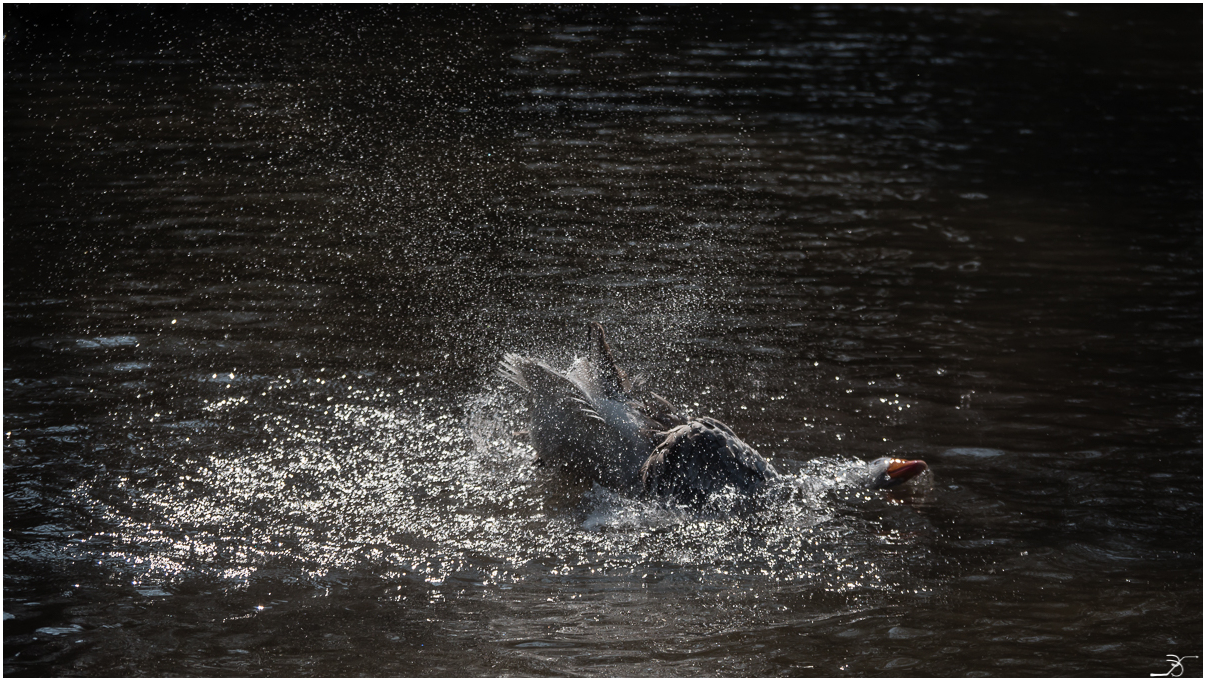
595,424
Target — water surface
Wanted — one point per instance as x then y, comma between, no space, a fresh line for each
260,266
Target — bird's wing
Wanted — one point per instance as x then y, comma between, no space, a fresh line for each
567,428
545,385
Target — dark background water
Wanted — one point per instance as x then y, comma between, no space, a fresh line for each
260,263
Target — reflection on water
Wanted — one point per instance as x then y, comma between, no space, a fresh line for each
259,273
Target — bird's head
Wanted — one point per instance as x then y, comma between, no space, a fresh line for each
886,472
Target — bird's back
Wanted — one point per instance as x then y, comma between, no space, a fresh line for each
701,457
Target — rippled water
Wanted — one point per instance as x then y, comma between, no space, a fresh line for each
260,266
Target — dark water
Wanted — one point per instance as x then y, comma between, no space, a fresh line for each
260,265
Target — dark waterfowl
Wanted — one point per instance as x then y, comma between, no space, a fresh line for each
595,424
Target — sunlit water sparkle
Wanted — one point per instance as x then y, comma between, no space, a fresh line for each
340,475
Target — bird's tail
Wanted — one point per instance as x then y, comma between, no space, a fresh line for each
611,378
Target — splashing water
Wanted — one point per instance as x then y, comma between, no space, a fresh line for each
356,477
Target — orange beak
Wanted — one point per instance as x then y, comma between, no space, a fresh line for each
902,471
